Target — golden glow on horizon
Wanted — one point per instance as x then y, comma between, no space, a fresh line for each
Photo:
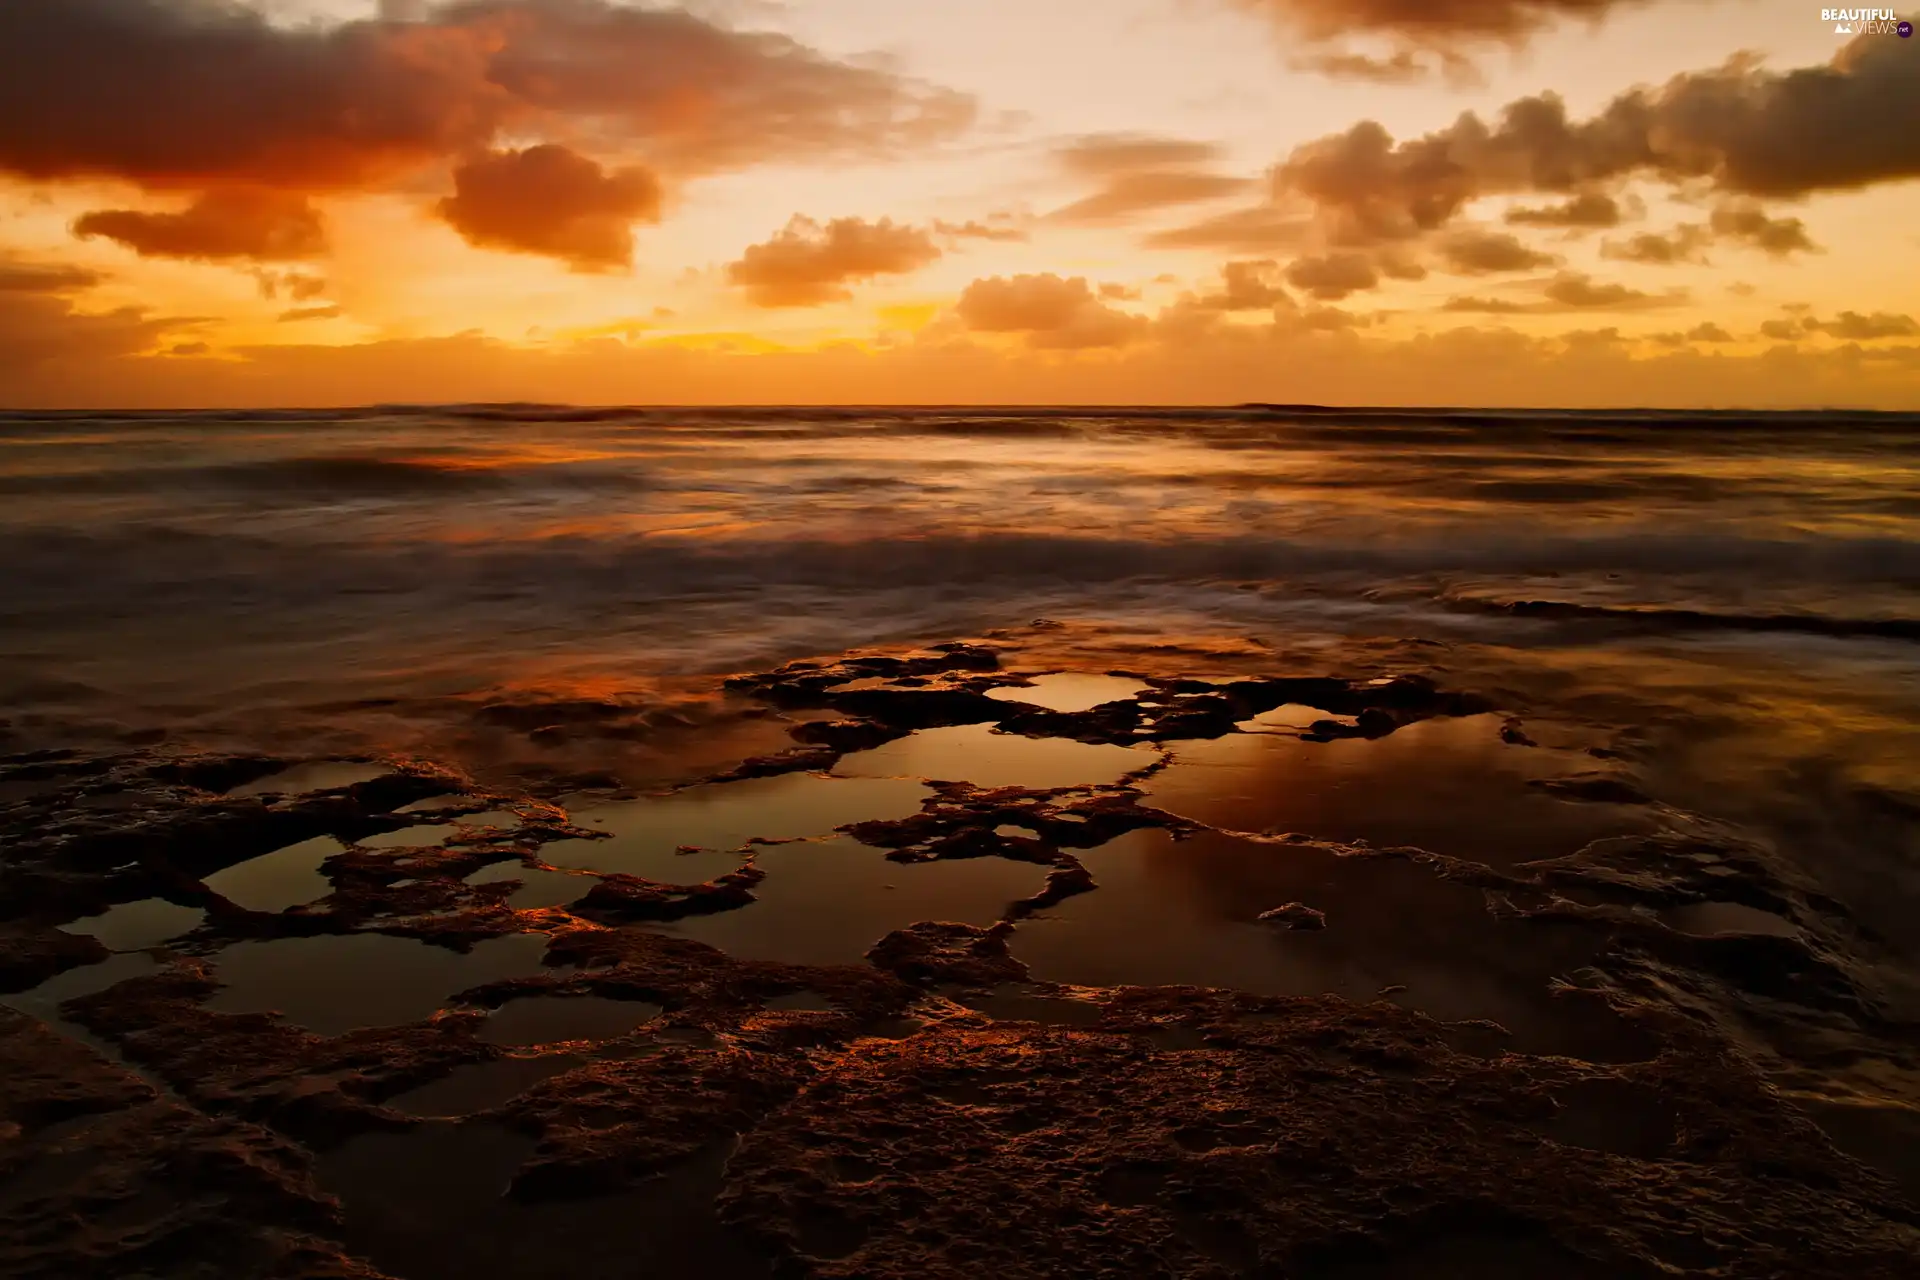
1088,201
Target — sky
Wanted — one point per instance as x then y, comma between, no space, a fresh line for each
1581,203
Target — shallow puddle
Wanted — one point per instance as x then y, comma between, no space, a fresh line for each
1448,786
1171,913
44,1001
975,753
135,926
539,886
1708,919
433,804
429,1205
273,882
1292,717
317,775
1070,692
481,1086
409,837
339,983
725,816
828,903
557,1019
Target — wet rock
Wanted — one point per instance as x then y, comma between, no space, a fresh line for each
964,954
622,897
1596,788
29,959
1295,915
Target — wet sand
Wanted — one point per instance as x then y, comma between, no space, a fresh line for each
1238,969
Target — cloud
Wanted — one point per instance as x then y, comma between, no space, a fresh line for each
1247,286
1589,209
298,286
1139,174
40,324
808,264
1473,251
29,277
205,94
1405,66
1780,330
974,230
1333,276
1580,292
221,226
299,314
1570,291
551,201
1748,222
1261,230
1431,22
1050,311
1119,293
1707,331
1684,244
1851,326
1740,129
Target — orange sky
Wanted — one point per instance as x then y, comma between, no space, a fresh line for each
1551,202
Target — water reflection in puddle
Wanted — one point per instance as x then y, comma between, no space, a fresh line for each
725,816
480,1086
974,753
273,882
1171,913
555,1019
44,1001
829,903
429,1205
409,837
1070,692
317,775
135,926
1447,786
539,886
339,983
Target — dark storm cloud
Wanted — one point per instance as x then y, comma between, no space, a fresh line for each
205,94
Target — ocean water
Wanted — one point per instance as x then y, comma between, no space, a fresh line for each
178,569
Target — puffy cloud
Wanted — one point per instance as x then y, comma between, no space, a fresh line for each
1684,244
1137,174
201,94
807,264
1587,210
298,286
1707,331
1580,292
1740,129
1474,251
1333,276
1851,326
1247,286
1052,312
551,201
257,225
1750,223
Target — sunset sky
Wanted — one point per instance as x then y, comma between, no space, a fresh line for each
1503,202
